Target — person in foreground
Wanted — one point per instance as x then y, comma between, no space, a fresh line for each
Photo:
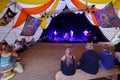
106,58
89,61
7,58
68,63
117,54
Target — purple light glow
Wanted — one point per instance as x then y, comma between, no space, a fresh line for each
71,33
66,36
85,32
55,32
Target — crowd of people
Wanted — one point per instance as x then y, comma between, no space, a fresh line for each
90,61
9,54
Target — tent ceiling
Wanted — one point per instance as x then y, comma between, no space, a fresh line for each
35,2
3,4
100,1
32,1
58,9
116,2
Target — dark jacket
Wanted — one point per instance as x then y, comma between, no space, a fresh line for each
107,59
68,69
89,62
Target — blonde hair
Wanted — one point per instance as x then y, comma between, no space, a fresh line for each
68,56
106,46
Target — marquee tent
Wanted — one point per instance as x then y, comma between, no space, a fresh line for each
44,9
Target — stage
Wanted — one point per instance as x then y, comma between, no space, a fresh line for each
63,40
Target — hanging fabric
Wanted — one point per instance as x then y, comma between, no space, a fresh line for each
45,19
29,11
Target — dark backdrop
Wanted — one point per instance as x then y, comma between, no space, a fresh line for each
65,22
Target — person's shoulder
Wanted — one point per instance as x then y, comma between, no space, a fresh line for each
63,58
73,57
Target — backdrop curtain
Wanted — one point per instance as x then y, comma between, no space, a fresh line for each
65,22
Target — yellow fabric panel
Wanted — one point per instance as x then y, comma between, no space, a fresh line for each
44,22
100,1
45,19
3,4
117,4
32,1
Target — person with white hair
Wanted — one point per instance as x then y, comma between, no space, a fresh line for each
68,63
89,61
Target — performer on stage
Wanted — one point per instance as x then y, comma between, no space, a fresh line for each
90,36
85,34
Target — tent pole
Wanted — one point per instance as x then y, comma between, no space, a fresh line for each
7,34
115,34
13,22
14,18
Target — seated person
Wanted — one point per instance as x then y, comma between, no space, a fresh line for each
117,47
4,42
89,61
105,56
31,42
68,63
7,58
18,47
24,44
117,54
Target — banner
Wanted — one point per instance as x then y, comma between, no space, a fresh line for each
8,16
31,26
107,17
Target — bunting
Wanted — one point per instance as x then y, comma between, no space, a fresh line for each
8,16
31,26
107,17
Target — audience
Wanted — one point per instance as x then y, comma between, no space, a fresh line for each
24,44
117,54
106,58
31,42
7,58
68,63
18,47
89,61
4,41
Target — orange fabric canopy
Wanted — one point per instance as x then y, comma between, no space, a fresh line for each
81,5
29,11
